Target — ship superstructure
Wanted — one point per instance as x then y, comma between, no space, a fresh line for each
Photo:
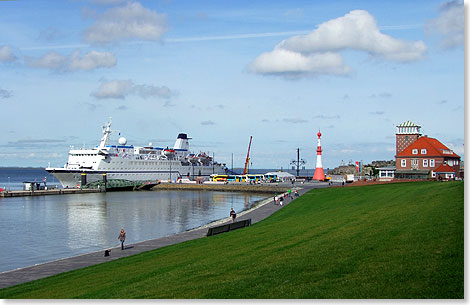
134,163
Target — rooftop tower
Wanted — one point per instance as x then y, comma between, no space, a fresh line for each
406,134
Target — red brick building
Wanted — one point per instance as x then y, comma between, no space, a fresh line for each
422,157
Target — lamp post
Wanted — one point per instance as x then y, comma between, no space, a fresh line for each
299,162
8,183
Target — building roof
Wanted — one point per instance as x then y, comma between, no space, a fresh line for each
408,124
444,168
433,146
387,168
412,171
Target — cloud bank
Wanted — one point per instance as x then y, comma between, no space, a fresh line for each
318,51
75,62
6,54
120,89
449,24
5,94
129,22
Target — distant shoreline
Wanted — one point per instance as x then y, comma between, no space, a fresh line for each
21,167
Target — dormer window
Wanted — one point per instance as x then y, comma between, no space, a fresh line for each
414,151
424,151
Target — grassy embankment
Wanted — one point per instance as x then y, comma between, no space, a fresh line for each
401,240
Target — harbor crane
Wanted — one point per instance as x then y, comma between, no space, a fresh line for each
247,158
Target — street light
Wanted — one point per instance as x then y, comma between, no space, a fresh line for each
299,161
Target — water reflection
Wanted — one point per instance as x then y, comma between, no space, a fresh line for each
40,229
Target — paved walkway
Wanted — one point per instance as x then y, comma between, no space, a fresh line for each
18,276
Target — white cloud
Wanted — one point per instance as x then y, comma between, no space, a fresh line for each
117,89
75,62
449,24
356,30
457,146
147,91
92,60
281,61
6,54
51,60
318,51
120,89
129,22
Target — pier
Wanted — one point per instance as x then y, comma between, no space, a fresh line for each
233,187
48,192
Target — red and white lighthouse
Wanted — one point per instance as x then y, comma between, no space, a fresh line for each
319,173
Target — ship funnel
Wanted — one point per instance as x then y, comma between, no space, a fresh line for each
182,142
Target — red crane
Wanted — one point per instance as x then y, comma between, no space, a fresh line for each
247,158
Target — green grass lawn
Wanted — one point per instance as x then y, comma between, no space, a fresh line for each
403,240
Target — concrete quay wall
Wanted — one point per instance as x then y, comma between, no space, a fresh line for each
256,188
47,192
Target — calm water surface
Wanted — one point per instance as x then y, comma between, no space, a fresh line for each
45,228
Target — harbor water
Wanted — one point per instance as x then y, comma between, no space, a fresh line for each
39,229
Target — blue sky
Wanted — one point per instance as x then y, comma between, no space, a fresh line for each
224,70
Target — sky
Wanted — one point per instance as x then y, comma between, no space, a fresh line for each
222,71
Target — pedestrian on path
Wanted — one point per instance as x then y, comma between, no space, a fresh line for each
122,238
233,214
281,200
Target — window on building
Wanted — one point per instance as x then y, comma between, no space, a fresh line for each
425,162
424,151
403,162
390,174
414,151
414,162
406,138
431,163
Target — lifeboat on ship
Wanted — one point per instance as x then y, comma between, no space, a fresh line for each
203,158
168,152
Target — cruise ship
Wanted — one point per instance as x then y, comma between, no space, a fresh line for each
134,163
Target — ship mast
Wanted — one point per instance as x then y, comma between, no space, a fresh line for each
106,132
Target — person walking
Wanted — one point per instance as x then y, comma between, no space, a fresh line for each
233,214
122,238
281,200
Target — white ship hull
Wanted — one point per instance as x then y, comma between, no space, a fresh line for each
134,163
73,178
